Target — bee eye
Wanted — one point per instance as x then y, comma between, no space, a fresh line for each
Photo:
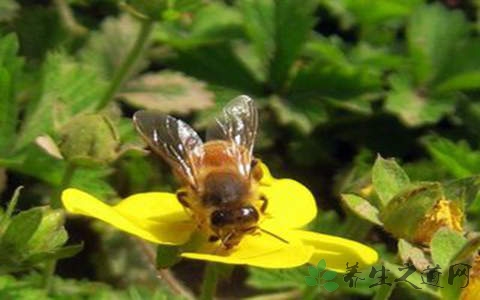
218,218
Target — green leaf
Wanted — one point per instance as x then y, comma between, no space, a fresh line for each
304,115
329,275
466,252
332,75
9,68
69,88
407,209
276,39
55,254
362,208
50,233
461,71
459,159
169,92
313,271
433,34
388,179
322,264
108,47
218,64
7,112
21,229
167,256
413,107
415,278
311,281
267,279
331,286
463,192
445,245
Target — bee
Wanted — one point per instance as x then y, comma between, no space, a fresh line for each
220,178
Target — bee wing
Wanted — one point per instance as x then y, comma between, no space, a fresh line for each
173,140
238,124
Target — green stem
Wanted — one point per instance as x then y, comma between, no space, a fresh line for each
210,280
10,208
48,277
67,178
133,55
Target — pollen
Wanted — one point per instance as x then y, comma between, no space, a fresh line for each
443,214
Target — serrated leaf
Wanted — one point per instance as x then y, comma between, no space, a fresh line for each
413,107
458,158
302,115
217,64
329,275
21,229
433,33
409,252
108,47
167,256
276,39
168,92
333,76
310,281
362,208
388,179
331,286
445,245
69,88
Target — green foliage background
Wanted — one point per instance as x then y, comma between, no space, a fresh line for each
336,82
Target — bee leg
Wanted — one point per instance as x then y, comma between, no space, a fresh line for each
263,208
182,198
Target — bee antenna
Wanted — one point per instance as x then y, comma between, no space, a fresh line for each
273,235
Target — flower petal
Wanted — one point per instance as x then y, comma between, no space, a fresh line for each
260,250
290,204
337,251
151,216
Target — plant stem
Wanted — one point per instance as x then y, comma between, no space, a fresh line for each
48,277
164,274
67,177
10,208
210,280
132,57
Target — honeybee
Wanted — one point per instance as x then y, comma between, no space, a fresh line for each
220,178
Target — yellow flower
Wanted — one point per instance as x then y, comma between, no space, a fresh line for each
160,218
